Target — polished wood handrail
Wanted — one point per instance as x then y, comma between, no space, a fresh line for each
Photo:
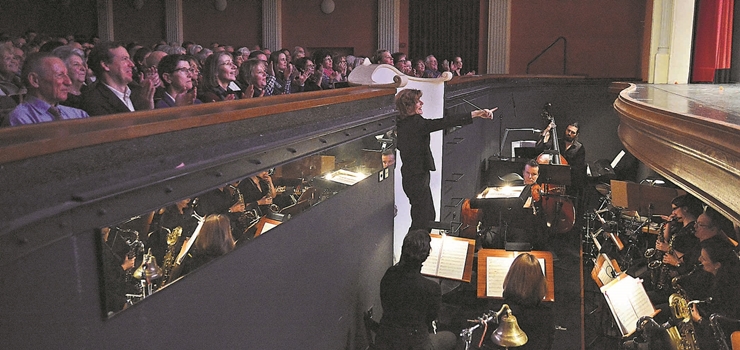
27,141
686,140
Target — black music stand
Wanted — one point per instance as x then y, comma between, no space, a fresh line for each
554,174
504,198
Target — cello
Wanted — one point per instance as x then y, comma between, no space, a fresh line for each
557,207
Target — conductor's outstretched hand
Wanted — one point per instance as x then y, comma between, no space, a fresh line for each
483,113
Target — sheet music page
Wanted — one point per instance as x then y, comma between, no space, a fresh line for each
628,301
496,270
431,265
268,226
640,301
452,260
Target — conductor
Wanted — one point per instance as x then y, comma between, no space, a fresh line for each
413,144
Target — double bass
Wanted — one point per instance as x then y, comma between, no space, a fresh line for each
557,207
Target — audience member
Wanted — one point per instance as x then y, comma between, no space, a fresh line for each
175,73
218,80
340,66
46,79
431,70
241,55
326,70
306,79
111,93
279,74
456,67
382,56
298,52
74,59
258,54
10,83
253,78
419,68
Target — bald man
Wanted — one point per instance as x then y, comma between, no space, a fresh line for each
46,79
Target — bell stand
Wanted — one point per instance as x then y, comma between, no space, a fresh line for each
499,336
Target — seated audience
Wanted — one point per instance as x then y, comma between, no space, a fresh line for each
279,74
307,78
382,56
418,68
111,93
45,76
431,70
340,67
219,76
326,70
176,76
10,83
74,59
456,67
253,78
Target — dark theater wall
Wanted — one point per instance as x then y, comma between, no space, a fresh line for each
352,24
145,26
239,25
51,17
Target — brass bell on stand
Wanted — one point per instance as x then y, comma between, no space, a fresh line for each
148,272
508,334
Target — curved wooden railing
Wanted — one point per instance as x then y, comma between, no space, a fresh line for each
691,138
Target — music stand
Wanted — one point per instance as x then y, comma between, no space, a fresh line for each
503,198
555,174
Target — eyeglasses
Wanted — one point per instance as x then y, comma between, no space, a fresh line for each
183,69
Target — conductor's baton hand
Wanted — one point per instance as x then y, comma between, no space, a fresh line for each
483,113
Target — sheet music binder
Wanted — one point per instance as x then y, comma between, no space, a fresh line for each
450,257
627,301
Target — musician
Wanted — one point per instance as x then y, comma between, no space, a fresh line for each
114,272
524,289
685,209
572,150
223,200
214,240
258,191
721,261
413,144
164,221
411,302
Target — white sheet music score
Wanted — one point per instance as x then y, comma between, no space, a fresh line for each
446,259
628,302
496,269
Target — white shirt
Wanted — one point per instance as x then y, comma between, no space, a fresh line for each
125,96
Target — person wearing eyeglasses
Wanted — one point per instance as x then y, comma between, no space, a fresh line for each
176,73
218,81
306,79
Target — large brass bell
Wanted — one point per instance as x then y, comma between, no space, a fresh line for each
148,269
508,334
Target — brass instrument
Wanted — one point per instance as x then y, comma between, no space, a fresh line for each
169,258
681,313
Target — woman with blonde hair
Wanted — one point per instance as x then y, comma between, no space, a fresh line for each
525,288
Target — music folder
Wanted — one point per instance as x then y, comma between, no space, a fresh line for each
627,301
494,264
450,257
